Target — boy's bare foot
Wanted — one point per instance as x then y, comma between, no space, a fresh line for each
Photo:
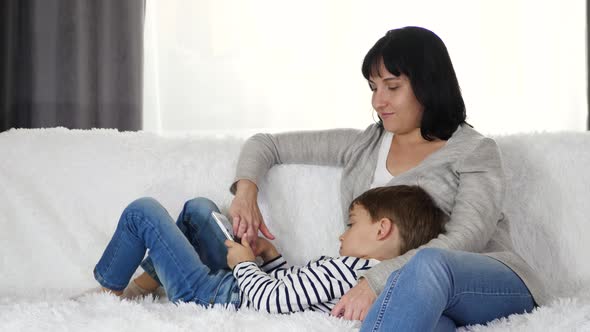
95,291
146,282
106,290
133,291
139,287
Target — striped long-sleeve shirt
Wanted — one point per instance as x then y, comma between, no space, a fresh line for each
317,286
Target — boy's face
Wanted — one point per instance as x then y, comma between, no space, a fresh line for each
360,236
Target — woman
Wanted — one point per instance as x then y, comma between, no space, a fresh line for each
470,274
421,139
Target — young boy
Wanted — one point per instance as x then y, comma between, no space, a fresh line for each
384,223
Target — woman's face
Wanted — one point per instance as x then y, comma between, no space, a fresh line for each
395,102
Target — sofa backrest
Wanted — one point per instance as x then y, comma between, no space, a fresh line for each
63,191
547,201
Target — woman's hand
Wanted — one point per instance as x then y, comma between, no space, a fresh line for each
245,214
237,253
355,304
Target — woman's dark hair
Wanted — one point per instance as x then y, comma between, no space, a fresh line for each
422,56
414,212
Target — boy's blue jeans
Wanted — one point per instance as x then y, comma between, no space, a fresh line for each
188,259
438,290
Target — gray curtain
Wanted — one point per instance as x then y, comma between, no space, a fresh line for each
71,63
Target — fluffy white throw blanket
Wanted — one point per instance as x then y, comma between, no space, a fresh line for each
62,193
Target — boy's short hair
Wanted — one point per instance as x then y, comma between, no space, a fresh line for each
413,211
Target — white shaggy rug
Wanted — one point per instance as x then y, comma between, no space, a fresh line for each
102,312
62,192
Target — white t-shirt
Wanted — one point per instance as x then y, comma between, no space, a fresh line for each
382,175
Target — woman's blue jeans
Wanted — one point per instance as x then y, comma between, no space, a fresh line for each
188,259
439,290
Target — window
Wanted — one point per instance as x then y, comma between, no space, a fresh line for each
226,66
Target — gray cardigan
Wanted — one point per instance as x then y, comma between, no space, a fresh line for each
465,177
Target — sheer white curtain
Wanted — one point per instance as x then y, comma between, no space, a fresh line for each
226,66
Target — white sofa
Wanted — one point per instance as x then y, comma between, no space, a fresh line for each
62,191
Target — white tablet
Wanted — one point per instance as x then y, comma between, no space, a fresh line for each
224,224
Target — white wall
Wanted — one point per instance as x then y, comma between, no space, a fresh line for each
223,66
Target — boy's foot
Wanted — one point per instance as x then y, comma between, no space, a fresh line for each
133,290
94,290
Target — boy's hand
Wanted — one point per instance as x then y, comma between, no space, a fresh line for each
237,253
265,249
